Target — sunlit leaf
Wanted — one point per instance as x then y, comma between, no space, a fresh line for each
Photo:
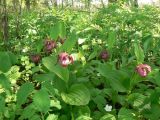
78,95
52,117
69,43
139,53
108,117
126,114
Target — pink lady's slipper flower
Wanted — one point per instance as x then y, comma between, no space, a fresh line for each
143,69
50,45
65,59
104,55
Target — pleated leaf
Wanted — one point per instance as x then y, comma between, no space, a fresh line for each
77,95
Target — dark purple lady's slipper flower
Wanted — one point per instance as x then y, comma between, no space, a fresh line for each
104,55
35,58
65,59
143,69
50,45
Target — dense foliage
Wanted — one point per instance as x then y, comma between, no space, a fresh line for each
69,65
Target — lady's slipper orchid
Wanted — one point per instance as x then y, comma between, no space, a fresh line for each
143,69
50,45
65,59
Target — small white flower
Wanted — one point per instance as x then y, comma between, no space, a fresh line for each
80,41
24,50
108,108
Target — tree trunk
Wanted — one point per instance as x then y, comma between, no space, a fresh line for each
102,3
136,3
1,13
55,3
62,3
17,12
28,4
72,4
4,22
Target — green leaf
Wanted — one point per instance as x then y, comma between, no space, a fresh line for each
23,92
35,117
44,77
78,95
108,117
61,72
136,99
52,117
84,110
69,43
2,104
153,113
49,63
83,117
58,30
56,103
147,44
4,82
126,114
93,55
139,53
27,112
111,39
5,62
41,100
118,79
13,58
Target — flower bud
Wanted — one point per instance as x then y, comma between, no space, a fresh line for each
35,58
104,55
50,45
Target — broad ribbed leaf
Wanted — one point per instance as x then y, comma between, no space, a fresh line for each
126,114
77,95
49,63
58,30
5,62
108,117
117,79
136,99
69,43
23,92
61,72
139,53
41,100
